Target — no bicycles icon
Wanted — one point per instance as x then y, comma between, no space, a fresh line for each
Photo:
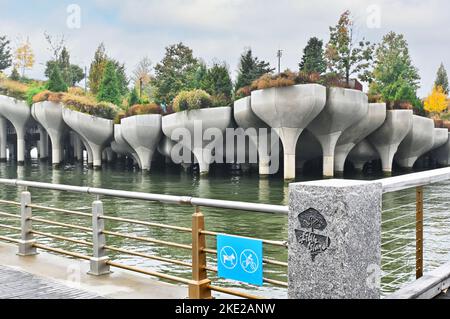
240,259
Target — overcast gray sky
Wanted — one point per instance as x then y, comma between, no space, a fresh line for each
221,29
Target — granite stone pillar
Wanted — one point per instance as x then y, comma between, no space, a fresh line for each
334,240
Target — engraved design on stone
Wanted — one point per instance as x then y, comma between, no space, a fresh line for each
313,221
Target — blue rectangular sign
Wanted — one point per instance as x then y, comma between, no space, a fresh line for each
240,259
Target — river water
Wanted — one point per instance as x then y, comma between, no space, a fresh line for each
398,266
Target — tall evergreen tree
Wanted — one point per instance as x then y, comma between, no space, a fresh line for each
5,53
176,72
313,60
250,69
56,82
442,79
97,68
109,90
218,82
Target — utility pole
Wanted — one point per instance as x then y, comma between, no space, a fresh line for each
279,55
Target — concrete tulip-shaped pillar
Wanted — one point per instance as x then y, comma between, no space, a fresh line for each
440,138
49,115
442,154
247,119
419,140
19,114
3,138
362,153
95,132
143,133
343,108
388,137
189,127
121,147
43,143
289,110
375,117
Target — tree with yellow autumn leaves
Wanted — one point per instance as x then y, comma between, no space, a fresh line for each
24,57
437,101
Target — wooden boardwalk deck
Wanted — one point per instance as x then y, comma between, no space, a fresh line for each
16,284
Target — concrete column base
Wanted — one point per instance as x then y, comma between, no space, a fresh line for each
26,248
99,266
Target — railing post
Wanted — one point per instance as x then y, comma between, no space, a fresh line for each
419,232
334,229
98,263
27,241
199,289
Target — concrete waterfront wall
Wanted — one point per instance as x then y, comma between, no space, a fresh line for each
343,108
289,110
388,137
419,141
49,115
143,133
218,118
96,133
374,118
19,114
247,119
334,231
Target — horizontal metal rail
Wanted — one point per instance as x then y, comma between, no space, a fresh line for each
234,292
148,240
12,240
138,254
59,210
267,280
169,199
138,222
61,251
268,242
151,273
10,215
72,240
46,221
10,227
398,183
8,202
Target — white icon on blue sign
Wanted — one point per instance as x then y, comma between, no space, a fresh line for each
240,259
249,261
228,257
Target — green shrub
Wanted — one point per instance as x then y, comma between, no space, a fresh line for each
88,105
133,99
32,91
56,82
192,100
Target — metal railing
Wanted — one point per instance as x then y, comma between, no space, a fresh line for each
199,286
403,222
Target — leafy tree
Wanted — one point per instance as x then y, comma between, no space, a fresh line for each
250,69
5,53
174,73
122,79
200,76
71,73
442,79
344,55
217,82
134,98
313,60
24,57
109,90
436,102
394,77
56,82
15,76
97,69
